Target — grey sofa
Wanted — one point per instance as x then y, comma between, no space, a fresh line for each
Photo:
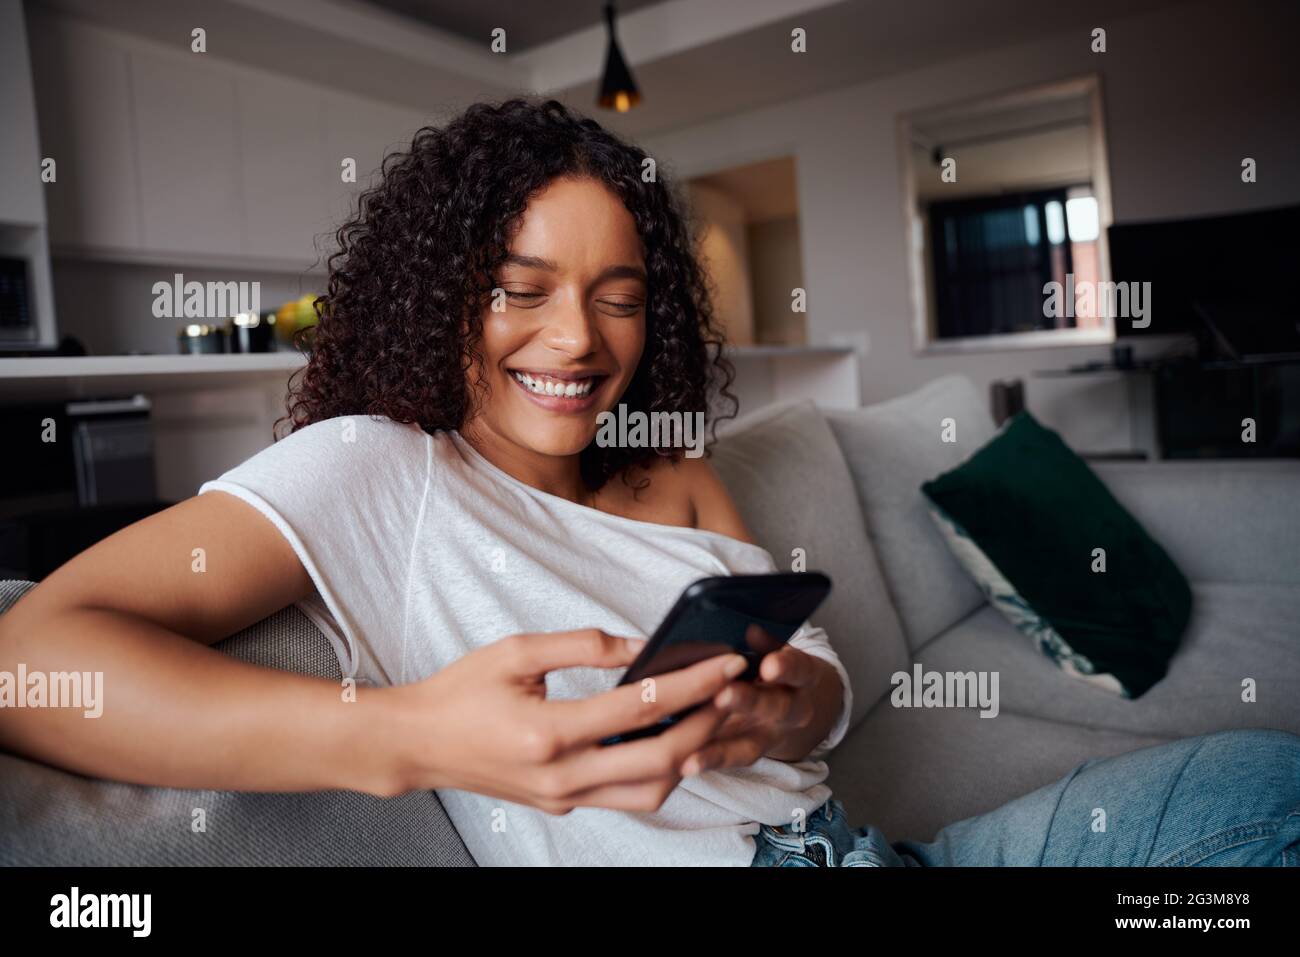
837,490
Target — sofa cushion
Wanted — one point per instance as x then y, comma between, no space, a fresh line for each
891,448
912,771
1222,520
1064,562
52,817
789,480
1236,632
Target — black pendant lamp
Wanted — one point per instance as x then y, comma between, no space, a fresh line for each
617,88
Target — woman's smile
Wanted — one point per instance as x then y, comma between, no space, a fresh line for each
558,391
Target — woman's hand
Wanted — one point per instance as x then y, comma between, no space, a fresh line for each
783,715
483,724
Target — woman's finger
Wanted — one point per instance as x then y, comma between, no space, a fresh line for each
630,707
736,752
790,667
635,762
532,656
762,704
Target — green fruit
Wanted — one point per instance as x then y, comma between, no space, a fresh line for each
306,311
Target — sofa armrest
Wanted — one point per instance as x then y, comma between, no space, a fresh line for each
1219,520
53,817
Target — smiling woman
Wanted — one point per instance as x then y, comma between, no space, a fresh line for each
519,243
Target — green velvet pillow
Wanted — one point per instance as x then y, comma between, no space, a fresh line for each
1063,560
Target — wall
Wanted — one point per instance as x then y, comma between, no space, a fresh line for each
721,220
774,262
1188,92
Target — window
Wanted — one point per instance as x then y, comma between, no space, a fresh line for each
992,257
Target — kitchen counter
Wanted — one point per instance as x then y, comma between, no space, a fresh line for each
79,376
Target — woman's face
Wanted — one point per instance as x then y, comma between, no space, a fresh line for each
571,325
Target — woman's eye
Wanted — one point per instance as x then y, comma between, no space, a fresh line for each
524,298
619,308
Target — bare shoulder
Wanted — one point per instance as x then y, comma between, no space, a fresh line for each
713,508
685,492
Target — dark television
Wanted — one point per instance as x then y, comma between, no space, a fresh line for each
1228,280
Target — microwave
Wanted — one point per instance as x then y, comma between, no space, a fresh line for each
17,303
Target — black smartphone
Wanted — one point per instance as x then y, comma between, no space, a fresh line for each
714,617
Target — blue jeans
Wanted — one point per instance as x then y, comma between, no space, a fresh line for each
1229,799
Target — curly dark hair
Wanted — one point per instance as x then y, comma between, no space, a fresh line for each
400,325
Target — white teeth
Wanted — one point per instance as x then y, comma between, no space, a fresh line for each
546,386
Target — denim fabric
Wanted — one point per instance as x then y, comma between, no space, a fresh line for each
1226,799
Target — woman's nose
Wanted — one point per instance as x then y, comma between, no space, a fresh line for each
571,328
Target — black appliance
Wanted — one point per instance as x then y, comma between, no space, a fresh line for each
1224,279
82,470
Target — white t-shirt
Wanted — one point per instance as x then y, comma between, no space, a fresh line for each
422,550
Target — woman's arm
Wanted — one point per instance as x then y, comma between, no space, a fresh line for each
141,607
176,713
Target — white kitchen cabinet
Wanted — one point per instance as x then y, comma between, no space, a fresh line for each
365,131
286,174
188,150
182,159
83,100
